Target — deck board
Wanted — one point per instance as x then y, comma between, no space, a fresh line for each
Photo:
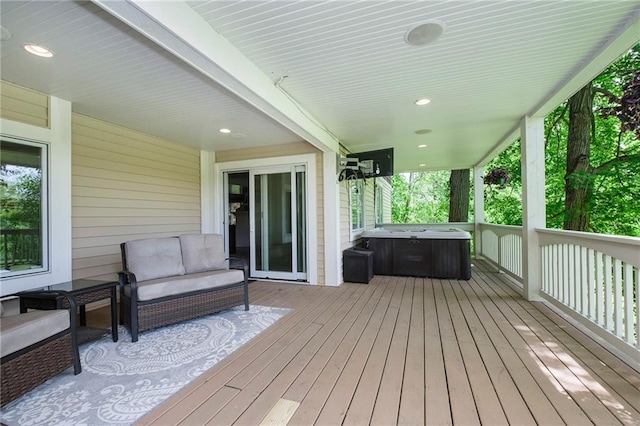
584,391
412,402
388,400
404,350
437,408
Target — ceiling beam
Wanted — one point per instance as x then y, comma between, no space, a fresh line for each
180,30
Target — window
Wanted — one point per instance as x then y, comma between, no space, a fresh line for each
356,196
379,205
23,207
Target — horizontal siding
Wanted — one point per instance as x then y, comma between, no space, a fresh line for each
386,199
24,105
127,185
270,151
369,204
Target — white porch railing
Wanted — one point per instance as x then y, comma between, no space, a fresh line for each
592,278
502,246
596,276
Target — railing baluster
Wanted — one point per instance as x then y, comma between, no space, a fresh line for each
628,295
591,277
637,304
599,289
608,299
584,280
545,269
573,300
556,272
617,297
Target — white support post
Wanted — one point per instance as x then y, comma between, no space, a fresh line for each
332,253
533,203
207,198
478,209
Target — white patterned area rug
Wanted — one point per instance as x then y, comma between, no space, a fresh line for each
121,382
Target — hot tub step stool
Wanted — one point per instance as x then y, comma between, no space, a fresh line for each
357,265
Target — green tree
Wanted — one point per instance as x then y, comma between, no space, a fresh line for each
592,155
503,203
420,197
459,186
20,193
603,151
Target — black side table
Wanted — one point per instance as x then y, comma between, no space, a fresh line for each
83,291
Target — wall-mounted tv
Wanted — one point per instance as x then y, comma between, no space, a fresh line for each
382,162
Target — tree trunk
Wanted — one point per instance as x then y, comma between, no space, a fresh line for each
579,176
459,196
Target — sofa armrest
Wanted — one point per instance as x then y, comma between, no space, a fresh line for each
73,322
126,277
238,263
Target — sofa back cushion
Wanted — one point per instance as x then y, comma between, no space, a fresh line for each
202,252
154,258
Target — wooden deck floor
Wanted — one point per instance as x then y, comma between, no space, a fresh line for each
410,351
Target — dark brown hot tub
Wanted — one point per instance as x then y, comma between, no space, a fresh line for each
424,253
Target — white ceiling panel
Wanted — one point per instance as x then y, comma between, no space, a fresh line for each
109,71
345,63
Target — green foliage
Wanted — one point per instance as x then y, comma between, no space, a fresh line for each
420,197
20,197
503,204
614,161
613,174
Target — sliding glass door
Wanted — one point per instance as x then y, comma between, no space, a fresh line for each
278,227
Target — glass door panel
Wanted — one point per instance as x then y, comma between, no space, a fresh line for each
278,217
301,217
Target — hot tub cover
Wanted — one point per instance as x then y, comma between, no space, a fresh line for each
436,234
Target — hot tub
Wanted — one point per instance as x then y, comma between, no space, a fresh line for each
432,253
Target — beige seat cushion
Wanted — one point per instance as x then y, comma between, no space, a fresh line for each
171,286
154,258
202,252
19,331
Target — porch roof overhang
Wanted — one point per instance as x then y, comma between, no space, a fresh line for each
324,72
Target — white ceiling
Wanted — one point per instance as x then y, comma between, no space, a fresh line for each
182,71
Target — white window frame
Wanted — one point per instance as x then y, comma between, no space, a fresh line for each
44,206
356,200
379,204
58,137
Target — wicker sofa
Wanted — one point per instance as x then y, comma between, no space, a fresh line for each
173,279
36,346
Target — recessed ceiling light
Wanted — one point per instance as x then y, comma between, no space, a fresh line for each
422,131
424,34
225,131
422,145
422,165
38,50
422,101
